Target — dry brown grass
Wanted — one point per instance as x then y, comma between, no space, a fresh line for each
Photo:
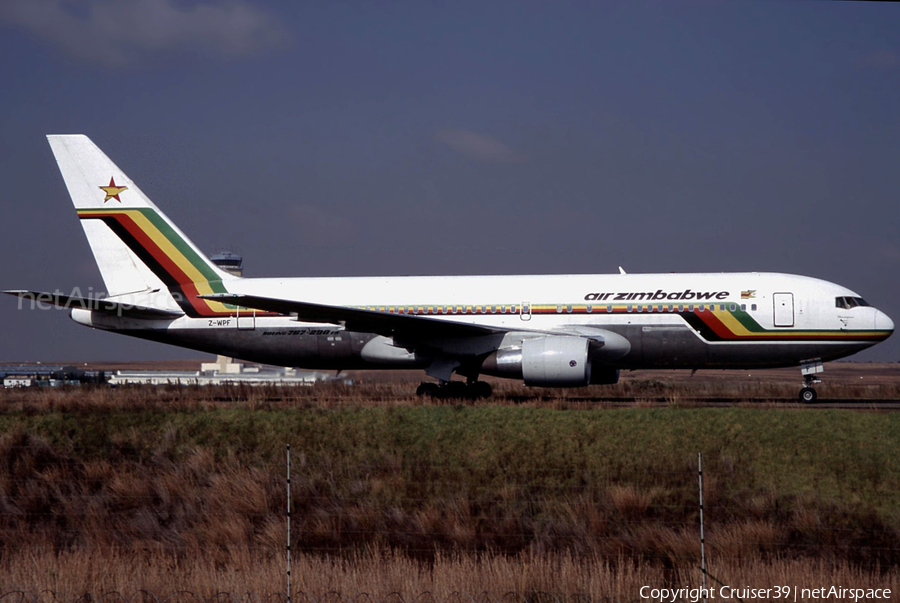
382,574
182,488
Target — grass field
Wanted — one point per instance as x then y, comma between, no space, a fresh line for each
183,488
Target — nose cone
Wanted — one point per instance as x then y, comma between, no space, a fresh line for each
883,323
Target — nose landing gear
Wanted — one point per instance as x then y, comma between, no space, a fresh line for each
809,370
808,395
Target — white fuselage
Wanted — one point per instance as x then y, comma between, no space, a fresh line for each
669,320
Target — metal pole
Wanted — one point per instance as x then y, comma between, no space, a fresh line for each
702,543
288,523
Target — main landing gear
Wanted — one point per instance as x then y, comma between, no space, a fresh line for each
472,390
809,370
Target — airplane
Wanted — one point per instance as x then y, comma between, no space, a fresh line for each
548,331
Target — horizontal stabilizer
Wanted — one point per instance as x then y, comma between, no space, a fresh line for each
355,319
104,306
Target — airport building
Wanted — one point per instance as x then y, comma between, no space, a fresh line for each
233,264
229,262
235,374
38,375
229,373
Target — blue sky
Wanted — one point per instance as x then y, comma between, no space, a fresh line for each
460,138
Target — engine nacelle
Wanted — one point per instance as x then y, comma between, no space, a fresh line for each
552,361
556,361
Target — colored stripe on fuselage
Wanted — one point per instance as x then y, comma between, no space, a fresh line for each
713,325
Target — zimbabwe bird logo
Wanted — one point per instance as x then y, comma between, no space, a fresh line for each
112,191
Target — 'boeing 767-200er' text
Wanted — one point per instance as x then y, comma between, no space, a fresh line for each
550,331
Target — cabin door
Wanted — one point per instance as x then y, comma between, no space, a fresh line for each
784,309
246,319
525,311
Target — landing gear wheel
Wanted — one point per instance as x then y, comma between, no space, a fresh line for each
810,369
428,390
455,389
481,389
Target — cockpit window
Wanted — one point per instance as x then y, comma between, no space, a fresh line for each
849,302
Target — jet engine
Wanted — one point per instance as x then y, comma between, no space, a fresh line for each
556,361
551,361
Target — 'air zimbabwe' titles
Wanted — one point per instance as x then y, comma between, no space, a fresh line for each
686,295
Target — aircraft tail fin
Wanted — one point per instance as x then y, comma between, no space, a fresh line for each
137,248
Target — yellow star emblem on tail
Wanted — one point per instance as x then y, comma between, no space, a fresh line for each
112,191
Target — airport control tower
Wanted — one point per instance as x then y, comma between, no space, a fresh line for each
233,264
229,262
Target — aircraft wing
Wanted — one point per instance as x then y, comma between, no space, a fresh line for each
104,306
355,319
